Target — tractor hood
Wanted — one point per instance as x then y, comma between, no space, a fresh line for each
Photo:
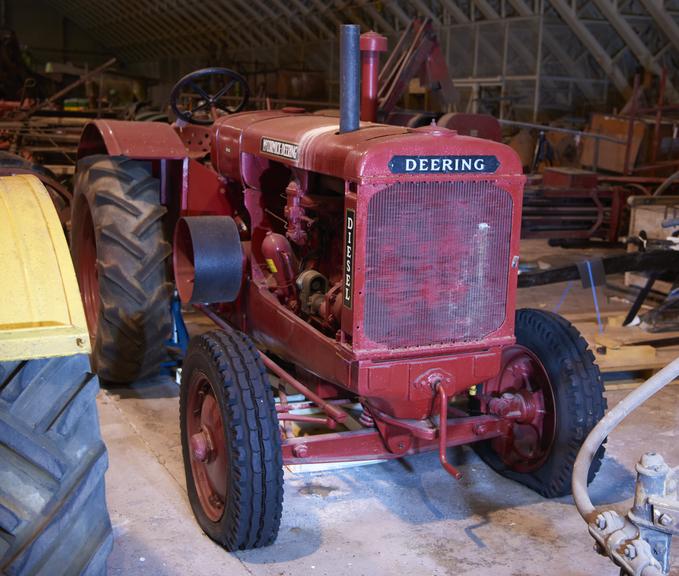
376,151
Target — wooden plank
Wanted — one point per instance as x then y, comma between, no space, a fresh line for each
590,316
626,358
628,348
630,384
623,361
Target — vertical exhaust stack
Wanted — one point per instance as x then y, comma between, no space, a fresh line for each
350,78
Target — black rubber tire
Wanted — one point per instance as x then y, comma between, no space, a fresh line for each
254,502
7,159
134,319
53,516
579,398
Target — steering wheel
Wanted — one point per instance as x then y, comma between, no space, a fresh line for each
211,88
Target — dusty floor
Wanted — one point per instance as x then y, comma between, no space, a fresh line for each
392,518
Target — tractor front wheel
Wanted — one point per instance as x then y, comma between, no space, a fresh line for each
551,389
231,441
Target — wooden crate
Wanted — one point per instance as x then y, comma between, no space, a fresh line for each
611,155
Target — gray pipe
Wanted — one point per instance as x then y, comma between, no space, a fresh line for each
605,426
350,78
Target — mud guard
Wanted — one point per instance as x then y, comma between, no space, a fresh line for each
136,140
41,314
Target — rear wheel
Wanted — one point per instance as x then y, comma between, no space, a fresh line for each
550,378
231,441
53,517
121,259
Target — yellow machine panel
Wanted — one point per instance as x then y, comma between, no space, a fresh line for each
41,313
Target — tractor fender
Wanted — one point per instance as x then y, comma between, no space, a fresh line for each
41,313
137,140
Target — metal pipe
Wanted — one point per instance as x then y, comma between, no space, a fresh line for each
286,417
334,413
546,128
350,79
605,426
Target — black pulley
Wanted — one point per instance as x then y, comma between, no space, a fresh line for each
208,259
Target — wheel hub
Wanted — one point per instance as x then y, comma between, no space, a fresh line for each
522,393
207,447
519,407
201,446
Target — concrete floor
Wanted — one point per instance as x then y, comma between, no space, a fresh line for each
405,517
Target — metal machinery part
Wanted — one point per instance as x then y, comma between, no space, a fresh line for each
639,542
312,286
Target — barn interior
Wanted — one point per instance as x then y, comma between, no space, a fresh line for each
208,164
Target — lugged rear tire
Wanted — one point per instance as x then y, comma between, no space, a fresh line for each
53,516
242,508
578,394
125,284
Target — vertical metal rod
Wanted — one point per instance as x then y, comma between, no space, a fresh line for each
350,77
503,86
658,115
630,127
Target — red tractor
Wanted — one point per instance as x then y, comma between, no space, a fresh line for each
371,268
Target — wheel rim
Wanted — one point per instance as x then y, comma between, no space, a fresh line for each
88,275
529,441
207,446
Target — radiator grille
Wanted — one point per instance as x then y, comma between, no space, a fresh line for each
437,258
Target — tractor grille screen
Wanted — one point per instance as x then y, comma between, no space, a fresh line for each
437,259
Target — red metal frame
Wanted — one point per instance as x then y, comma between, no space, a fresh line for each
636,113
